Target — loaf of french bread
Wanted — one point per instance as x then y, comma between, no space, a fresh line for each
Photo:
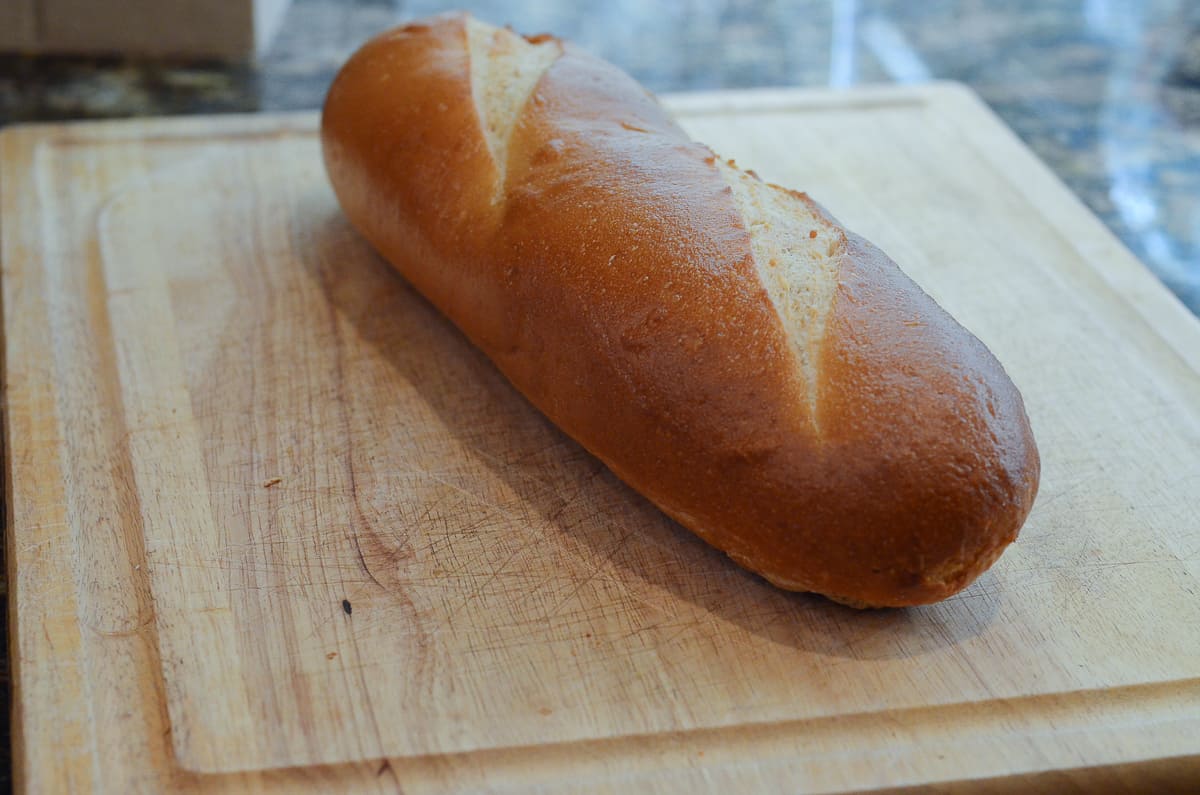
772,381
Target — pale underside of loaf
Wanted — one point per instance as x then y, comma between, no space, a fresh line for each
795,247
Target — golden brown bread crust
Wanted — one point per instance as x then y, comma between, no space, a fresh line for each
613,283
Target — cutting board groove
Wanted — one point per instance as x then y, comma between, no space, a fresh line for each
275,525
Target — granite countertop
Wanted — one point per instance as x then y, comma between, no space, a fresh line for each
1106,92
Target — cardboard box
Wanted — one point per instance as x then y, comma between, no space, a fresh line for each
17,24
212,28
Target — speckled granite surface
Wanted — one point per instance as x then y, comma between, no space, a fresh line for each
1107,92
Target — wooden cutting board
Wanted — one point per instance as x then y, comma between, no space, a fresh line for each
274,525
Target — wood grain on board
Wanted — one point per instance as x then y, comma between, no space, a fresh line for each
276,526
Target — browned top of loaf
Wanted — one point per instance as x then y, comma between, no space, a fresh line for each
613,283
